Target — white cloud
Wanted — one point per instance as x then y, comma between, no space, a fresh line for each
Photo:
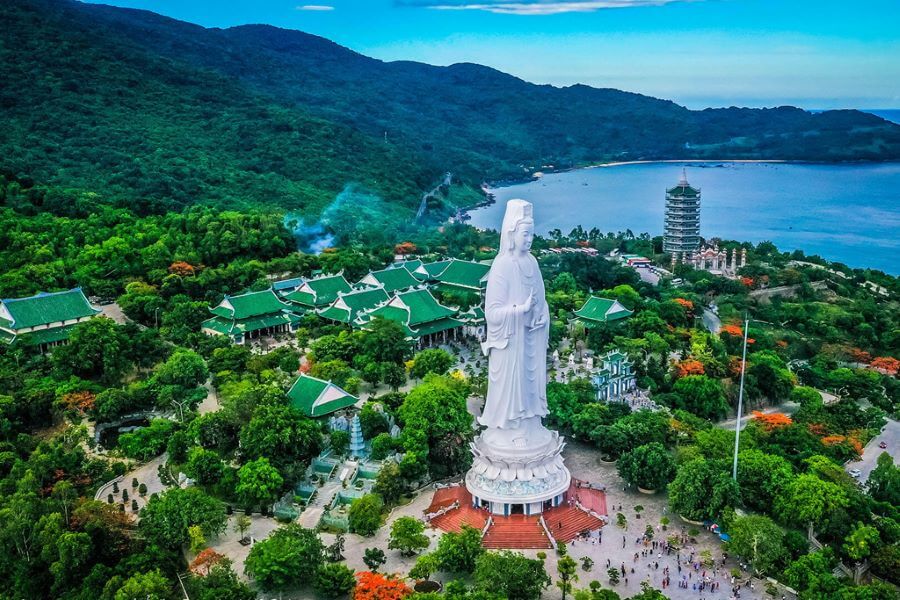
315,7
536,7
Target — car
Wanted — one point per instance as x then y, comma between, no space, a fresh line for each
855,472
882,445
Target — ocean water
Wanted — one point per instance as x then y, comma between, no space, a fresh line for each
845,213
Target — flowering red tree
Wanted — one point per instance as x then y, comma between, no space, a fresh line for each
182,269
886,364
81,401
689,367
205,561
375,586
771,421
405,248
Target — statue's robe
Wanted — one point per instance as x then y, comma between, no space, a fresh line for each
516,343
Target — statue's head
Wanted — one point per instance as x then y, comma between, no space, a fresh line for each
518,227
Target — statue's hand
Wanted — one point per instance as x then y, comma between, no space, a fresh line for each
528,303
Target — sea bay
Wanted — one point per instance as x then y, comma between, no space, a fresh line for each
843,212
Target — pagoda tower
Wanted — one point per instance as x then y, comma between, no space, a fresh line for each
682,218
357,443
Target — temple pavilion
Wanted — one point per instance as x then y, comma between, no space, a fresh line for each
462,276
319,292
346,307
682,218
615,376
45,319
392,279
251,315
422,317
598,310
318,398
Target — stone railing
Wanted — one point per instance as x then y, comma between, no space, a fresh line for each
102,489
545,528
429,516
487,525
591,512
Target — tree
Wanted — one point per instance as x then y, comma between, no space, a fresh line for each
97,349
511,575
807,499
761,478
220,583
166,518
372,420
702,489
884,480
281,434
701,395
258,482
204,466
374,558
339,441
384,341
365,514
382,446
759,540
205,561
649,466
147,442
390,484
457,552
184,368
393,375
408,536
432,360
335,580
375,586
241,524
146,586
290,557
861,542
566,569
437,422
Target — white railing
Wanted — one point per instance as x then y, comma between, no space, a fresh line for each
442,511
546,529
487,525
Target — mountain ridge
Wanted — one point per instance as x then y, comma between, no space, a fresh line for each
236,97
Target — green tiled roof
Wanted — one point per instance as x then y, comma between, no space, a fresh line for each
347,306
252,304
392,279
464,273
317,398
319,292
602,310
685,191
474,315
413,310
423,308
235,326
436,326
46,308
409,265
45,336
430,270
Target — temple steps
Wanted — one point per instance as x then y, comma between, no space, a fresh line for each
568,522
516,531
454,519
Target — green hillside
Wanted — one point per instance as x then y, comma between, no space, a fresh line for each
153,114
83,107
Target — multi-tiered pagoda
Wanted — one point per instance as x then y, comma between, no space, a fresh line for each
682,233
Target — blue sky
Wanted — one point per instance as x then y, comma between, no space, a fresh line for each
810,53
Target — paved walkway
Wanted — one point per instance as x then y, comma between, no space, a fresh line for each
147,473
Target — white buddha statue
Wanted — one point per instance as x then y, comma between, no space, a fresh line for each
518,328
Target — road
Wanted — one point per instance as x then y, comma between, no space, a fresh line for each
711,320
891,436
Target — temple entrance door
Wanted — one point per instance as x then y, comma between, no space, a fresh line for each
548,504
517,509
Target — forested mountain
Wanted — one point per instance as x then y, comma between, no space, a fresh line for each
149,110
